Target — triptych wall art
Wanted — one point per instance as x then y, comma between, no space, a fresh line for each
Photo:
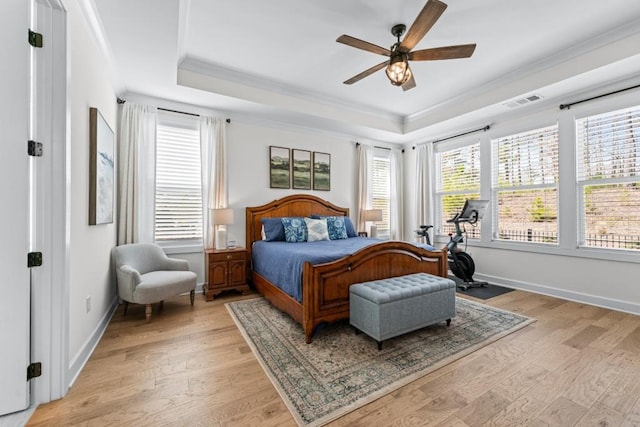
299,169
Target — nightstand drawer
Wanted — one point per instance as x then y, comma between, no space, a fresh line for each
228,256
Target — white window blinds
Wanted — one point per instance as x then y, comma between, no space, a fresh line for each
525,186
608,174
178,207
457,179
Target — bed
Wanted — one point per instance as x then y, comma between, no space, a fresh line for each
325,286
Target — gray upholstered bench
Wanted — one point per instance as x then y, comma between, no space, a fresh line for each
387,308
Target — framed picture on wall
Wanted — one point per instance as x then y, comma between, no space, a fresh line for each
279,167
301,167
101,169
321,171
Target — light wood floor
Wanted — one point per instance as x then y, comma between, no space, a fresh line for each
577,365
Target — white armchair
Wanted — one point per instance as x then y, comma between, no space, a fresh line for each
146,275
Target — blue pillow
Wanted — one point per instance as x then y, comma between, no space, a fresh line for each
295,229
350,229
273,229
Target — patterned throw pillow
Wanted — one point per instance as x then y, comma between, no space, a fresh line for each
295,229
337,227
316,229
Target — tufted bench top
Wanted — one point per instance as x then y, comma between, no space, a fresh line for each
401,287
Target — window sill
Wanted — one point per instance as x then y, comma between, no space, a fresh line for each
181,248
619,255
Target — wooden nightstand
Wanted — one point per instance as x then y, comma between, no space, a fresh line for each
224,270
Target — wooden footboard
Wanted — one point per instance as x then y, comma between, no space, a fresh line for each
325,287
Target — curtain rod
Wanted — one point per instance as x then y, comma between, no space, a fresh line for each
568,106
375,146
122,101
486,128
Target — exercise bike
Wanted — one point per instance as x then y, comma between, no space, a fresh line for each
460,263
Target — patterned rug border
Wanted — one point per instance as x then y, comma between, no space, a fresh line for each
383,391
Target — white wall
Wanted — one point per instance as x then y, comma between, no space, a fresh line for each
596,277
248,148
90,246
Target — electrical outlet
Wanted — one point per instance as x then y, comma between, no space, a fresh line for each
88,300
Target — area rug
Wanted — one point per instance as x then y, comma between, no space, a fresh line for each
340,371
481,292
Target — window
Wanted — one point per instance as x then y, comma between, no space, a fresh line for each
525,186
178,206
381,190
608,178
457,179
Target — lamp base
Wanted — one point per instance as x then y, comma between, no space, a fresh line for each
221,239
373,231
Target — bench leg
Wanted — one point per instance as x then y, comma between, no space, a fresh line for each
379,345
448,322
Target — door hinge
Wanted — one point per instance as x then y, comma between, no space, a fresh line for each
34,259
34,370
35,39
34,148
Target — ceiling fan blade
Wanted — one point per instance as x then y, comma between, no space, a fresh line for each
366,73
423,23
361,44
446,52
410,84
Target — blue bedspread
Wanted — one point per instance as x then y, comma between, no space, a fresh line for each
281,262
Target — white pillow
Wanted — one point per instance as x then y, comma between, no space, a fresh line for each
316,229
264,236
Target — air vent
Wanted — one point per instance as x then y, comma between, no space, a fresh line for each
522,101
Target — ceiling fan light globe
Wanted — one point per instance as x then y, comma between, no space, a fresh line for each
398,70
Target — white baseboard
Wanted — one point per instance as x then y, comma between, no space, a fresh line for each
598,301
78,362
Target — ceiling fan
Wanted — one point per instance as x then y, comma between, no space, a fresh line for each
400,54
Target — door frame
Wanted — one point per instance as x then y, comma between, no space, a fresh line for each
51,211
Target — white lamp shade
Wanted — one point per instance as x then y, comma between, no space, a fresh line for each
222,216
373,215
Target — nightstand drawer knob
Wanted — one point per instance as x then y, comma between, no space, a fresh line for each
229,257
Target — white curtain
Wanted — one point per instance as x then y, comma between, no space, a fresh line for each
136,173
364,164
396,202
213,150
424,180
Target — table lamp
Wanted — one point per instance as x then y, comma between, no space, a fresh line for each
372,216
221,217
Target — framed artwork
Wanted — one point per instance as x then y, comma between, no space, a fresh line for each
301,169
279,167
101,169
321,171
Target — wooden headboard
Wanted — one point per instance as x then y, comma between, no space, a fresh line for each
303,205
